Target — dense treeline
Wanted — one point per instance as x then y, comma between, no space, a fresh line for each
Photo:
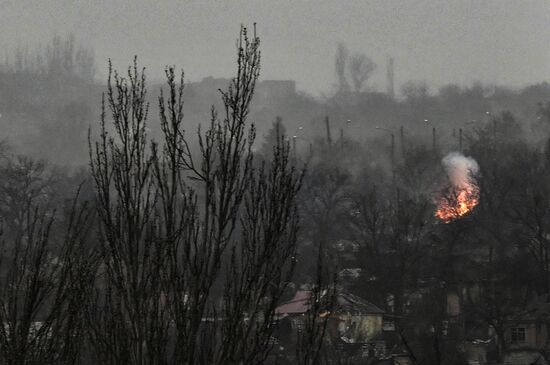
178,249
167,255
375,211
48,99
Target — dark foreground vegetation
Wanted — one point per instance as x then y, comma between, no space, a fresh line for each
317,244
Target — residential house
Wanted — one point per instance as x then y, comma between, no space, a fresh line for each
354,325
529,329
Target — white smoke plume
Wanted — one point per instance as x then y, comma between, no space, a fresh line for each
460,169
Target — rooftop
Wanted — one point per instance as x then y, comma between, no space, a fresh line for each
346,303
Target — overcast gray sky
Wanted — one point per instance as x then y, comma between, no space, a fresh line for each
502,41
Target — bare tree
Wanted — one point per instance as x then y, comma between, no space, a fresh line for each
45,276
340,64
272,138
262,263
174,221
312,346
128,321
63,57
360,69
245,225
369,225
23,181
530,212
415,91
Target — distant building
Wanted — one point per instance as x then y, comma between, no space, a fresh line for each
209,86
354,326
526,338
269,90
530,328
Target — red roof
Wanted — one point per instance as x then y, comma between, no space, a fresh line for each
297,305
345,303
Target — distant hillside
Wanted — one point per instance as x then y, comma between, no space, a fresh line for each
47,116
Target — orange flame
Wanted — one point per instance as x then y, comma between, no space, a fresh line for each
457,202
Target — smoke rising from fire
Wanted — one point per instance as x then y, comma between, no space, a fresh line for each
462,194
460,169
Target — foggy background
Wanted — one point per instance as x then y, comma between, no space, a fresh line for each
422,129
447,63
496,41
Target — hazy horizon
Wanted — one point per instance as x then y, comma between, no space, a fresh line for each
494,42
347,220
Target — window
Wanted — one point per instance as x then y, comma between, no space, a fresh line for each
518,334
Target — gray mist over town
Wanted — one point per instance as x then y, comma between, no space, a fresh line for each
275,182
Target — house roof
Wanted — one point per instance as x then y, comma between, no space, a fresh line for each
349,303
297,305
345,303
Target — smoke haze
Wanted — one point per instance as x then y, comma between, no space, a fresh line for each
503,42
459,168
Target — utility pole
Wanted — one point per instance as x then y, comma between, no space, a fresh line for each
392,158
392,151
389,78
433,138
327,123
294,146
402,137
